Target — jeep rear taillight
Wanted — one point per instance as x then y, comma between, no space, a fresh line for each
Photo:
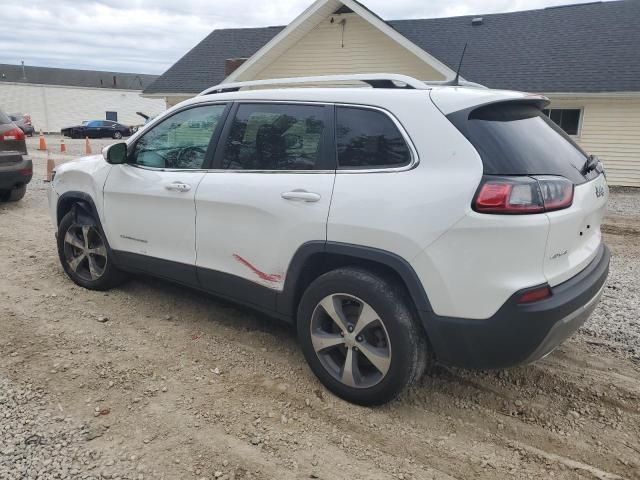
13,134
523,195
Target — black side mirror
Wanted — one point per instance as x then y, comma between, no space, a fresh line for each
115,154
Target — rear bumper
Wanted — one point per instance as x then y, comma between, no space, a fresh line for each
14,174
519,334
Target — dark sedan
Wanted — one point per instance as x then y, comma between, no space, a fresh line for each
97,129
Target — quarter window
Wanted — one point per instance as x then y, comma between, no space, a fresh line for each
369,139
275,137
568,119
179,142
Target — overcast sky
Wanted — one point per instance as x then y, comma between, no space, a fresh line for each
148,36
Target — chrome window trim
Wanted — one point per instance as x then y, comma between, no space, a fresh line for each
222,170
415,158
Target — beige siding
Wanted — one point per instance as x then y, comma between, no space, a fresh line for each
611,130
54,107
366,50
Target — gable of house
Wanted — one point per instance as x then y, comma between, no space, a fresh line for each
346,43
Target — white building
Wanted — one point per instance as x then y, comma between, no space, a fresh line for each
57,97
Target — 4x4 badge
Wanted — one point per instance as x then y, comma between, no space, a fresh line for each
600,191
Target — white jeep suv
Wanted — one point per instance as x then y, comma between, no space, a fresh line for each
391,225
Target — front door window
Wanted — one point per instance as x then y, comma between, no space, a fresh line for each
179,142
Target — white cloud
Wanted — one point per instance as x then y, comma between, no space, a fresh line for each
148,36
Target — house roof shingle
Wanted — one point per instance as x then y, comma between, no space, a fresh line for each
576,48
75,78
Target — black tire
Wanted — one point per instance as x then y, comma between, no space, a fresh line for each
117,135
407,344
14,195
109,276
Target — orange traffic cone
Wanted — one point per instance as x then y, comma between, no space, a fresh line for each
43,143
87,146
63,147
51,165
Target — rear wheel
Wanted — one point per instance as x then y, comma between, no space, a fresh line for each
360,337
85,254
117,135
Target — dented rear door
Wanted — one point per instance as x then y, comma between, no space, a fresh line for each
268,195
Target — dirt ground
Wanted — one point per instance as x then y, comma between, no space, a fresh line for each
152,380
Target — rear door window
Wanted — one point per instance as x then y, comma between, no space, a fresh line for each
516,138
369,139
276,137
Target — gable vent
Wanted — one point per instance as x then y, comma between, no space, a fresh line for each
477,21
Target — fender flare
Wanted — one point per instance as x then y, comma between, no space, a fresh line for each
84,207
286,303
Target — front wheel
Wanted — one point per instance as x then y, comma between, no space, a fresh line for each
85,254
117,135
359,336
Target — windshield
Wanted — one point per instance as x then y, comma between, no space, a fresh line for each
515,138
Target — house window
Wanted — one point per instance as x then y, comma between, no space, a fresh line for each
568,119
113,116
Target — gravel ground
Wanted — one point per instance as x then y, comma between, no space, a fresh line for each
154,381
625,202
616,322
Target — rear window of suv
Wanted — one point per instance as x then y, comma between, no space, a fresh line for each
516,138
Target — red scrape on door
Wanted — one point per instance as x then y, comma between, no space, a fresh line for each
263,276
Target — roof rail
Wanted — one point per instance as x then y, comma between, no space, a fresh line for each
461,83
376,80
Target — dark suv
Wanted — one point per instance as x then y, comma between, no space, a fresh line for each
16,168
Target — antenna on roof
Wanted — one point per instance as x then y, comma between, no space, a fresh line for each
456,81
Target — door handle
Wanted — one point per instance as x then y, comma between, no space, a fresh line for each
177,187
301,196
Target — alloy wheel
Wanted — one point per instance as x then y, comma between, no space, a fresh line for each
85,252
350,341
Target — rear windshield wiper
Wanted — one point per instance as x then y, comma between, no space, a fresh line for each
591,164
